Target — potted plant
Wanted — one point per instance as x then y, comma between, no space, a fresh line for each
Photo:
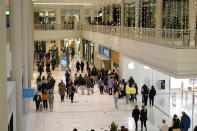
113,126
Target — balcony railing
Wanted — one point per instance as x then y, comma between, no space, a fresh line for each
56,27
166,37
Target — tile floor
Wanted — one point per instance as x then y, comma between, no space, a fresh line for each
88,112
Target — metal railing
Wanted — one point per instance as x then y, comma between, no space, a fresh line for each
177,38
57,27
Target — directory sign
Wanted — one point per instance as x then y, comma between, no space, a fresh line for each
105,51
28,93
63,62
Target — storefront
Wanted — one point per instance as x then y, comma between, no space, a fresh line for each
173,95
115,60
88,51
105,57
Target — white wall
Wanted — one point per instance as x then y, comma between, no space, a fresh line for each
56,34
142,75
180,63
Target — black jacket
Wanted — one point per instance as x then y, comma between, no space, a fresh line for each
136,114
143,116
37,98
152,93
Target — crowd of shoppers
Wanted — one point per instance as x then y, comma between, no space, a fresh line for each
108,83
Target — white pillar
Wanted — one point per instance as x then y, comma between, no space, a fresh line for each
81,48
31,42
3,87
58,44
111,13
159,17
137,15
16,49
122,12
82,16
58,15
192,22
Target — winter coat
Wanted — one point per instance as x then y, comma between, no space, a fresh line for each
136,114
185,122
152,93
132,90
143,116
37,98
128,89
110,83
62,89
100,83
176,123
45,95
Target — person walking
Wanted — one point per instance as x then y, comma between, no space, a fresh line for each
163,126
92,84
152,94
89,84
185,122
40,69
143,117
133,92
100,85
67,74
136,115
78,66
116,96
62,89
146,92
128,94
37,99
175,124
111,83
51,99
44,99
82,66
82,83
72,92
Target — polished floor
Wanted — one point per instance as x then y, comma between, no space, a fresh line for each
88,112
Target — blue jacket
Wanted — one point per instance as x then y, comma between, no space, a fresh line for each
185,122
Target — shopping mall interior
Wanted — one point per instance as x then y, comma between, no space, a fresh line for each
152,41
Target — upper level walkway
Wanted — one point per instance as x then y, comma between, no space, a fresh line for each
174,38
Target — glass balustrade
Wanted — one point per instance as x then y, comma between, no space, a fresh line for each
177,38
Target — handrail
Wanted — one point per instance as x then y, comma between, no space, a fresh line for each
177,38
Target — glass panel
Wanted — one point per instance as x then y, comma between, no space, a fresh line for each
130,14
175,14
147,13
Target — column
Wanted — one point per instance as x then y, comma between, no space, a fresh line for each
111,13
137,15
81,48
192,22
58,15
103,14
16,49
31,42
3,87
58,44
96,58
122,12
159,18
82,16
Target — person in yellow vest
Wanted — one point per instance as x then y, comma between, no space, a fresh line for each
128,94
133,92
